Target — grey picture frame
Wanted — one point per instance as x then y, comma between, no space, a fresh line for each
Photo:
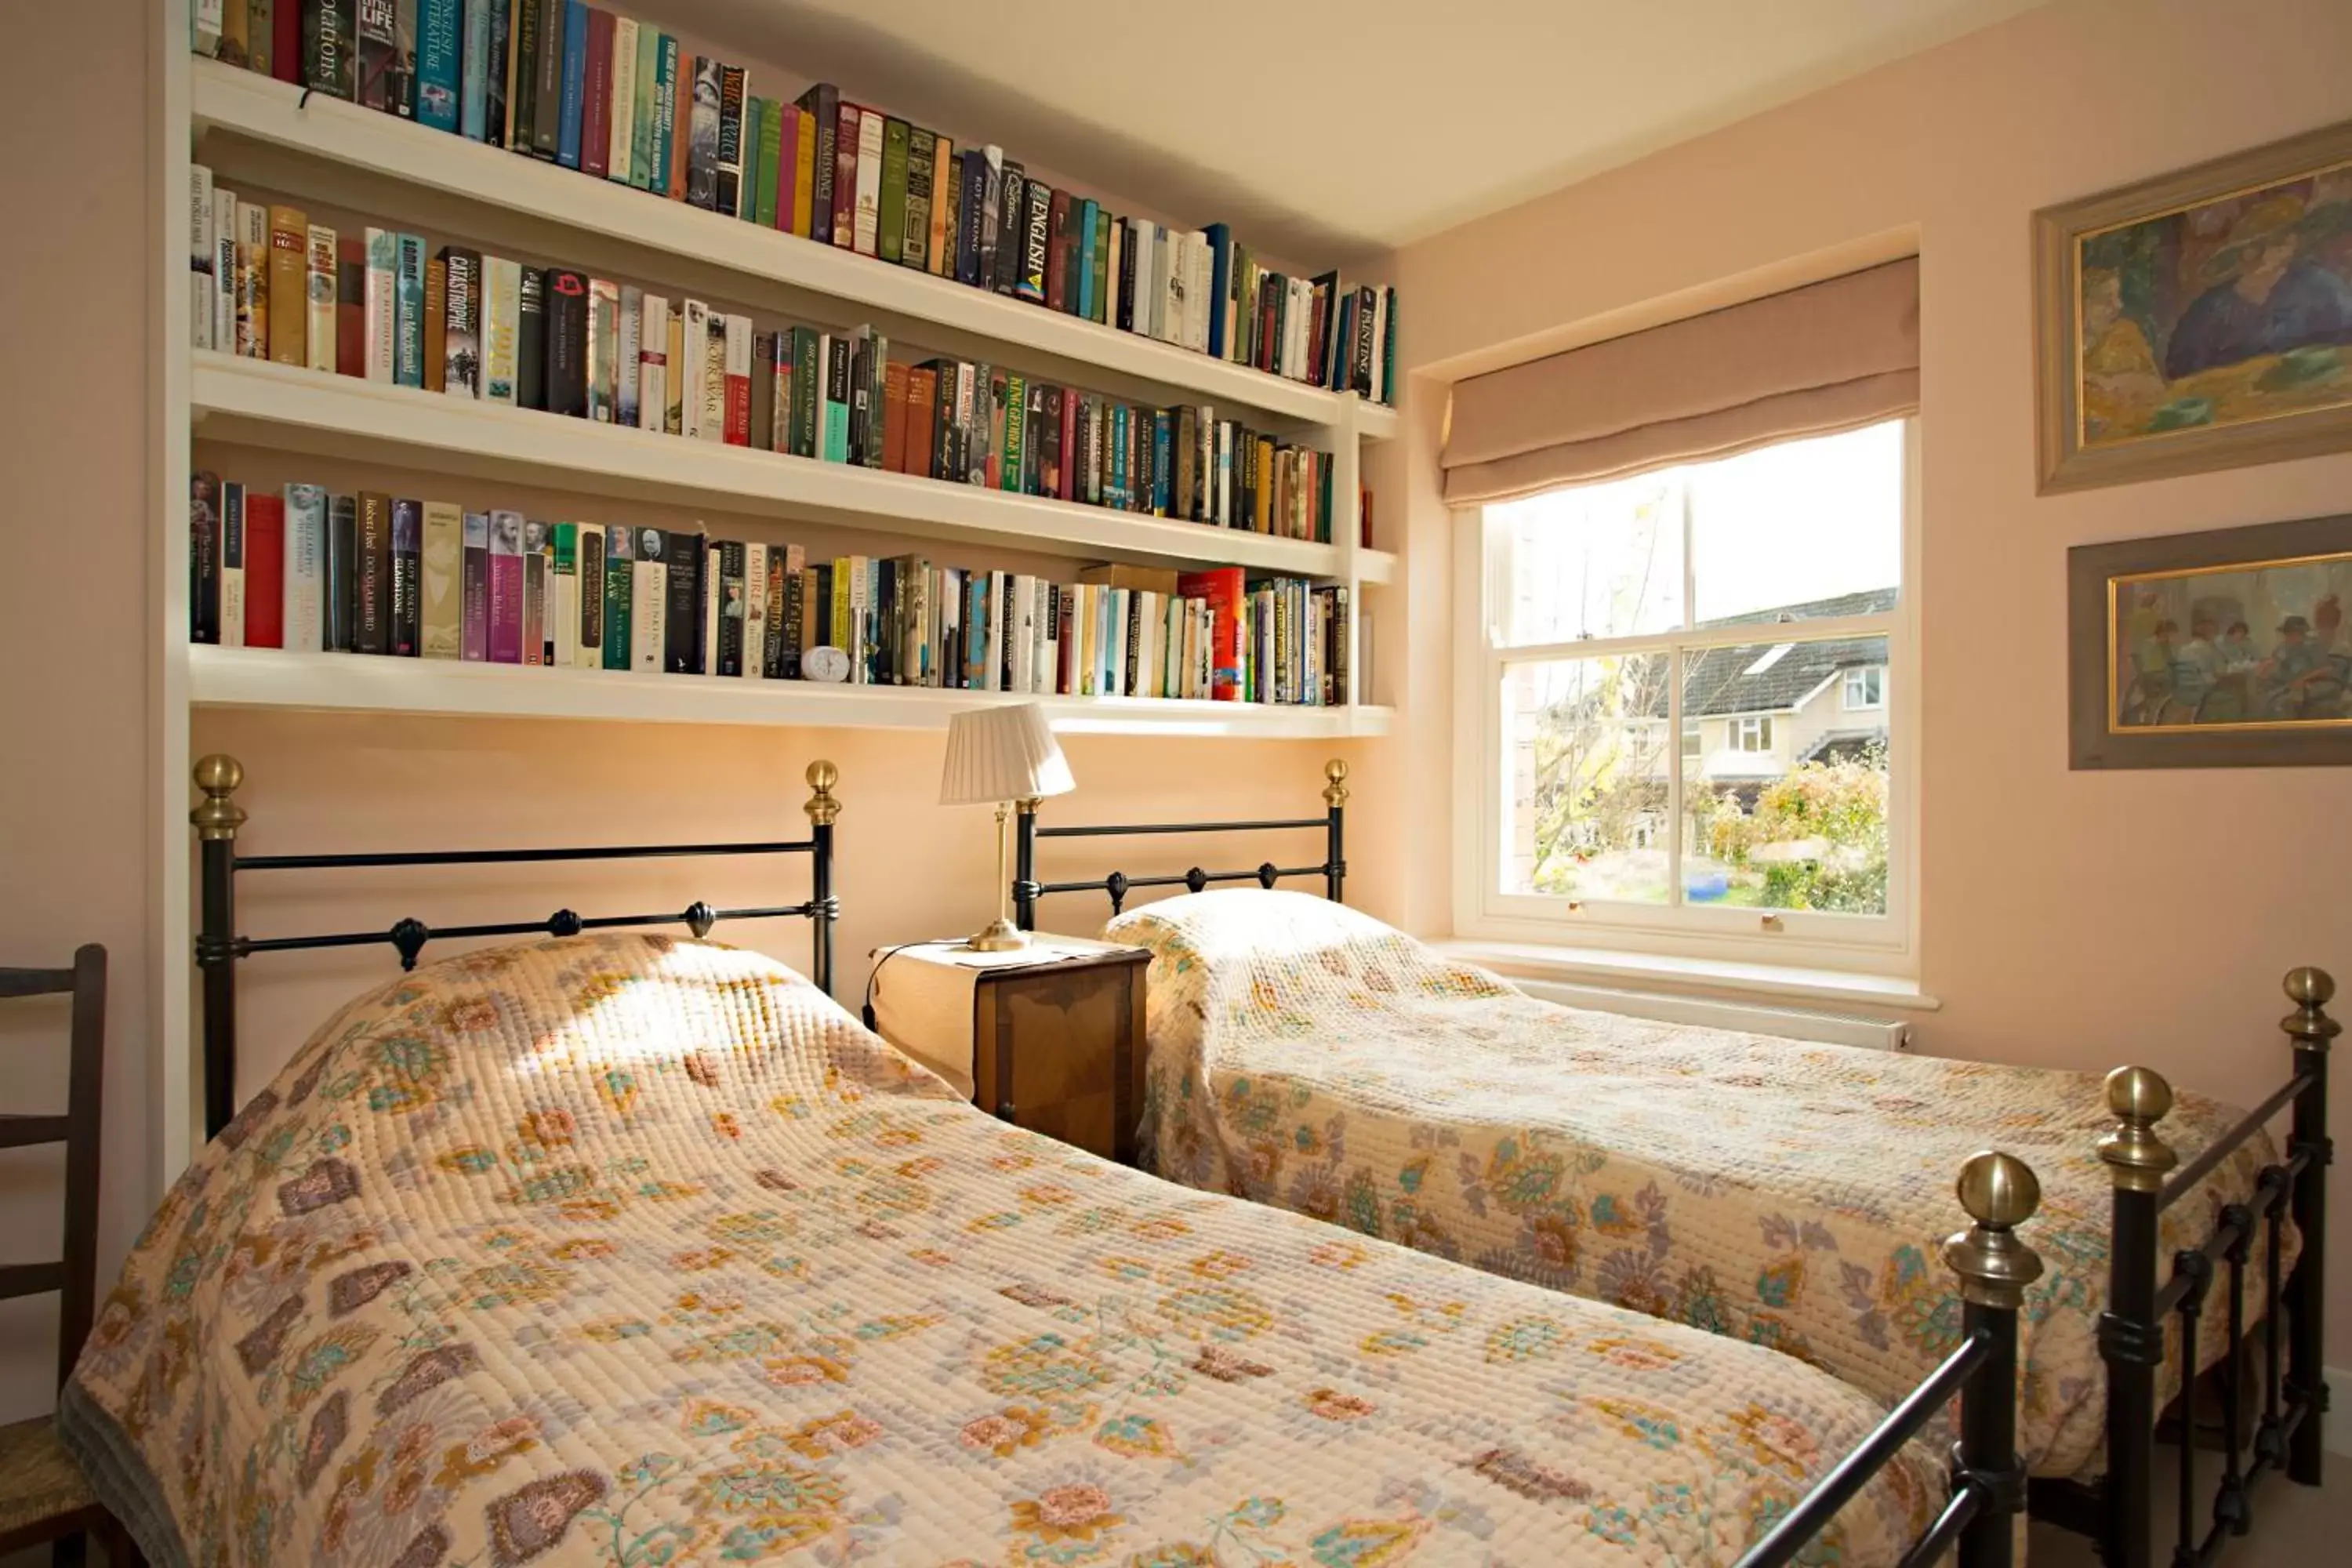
2094,741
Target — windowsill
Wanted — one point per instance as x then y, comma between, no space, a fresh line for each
1692,976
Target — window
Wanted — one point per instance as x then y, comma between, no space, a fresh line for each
1680,714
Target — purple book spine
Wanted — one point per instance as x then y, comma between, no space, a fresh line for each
506,588
474,590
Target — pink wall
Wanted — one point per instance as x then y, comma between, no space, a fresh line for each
2072,919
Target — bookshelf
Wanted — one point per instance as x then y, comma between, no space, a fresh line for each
265,135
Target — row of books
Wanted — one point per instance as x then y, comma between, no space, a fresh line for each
616,100
270,284
312,571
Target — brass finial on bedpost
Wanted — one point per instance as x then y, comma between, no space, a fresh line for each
1335,792
822,805
2138,1156
2310,990
220,817
1999,1192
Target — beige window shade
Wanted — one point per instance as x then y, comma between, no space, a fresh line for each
1831,356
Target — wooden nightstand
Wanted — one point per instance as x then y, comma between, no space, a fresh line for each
1045,1037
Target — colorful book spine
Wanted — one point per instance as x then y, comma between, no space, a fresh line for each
408,300
547,119
736,384
474,78
441,572
504,606
604,349
407,571
628,355
322,291
535,556
774,179
596,97
563,611
328,46
589,636
501,329
371,588
619,558
461,331
474,586
265,570
666,124
439,48
700,114
232,566
871,135
890,212
497,71
728,165
567,342
572,93
342,613
623,136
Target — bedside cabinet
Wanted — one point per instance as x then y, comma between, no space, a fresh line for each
1047,1037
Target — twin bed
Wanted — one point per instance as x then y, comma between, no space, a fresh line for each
612,1247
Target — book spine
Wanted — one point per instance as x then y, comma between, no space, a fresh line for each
674,383
604,350
203,556
653,361
371,560
845,175
773,180
226,231
596,97
620,566
378,75
461,340
408,300
1036,238
823,104
737,384
438,51
692,366
202,248
536,552
474,584
922,162
328,46
232,566
504,606
588,630
441,569
621,104
474,80
644,121
871,135
567,343
498,72
712,423
437,323
302,599
628,354
701,84
725,612
341,614
548,111
571,84
407,552
890,213
757,644
1056,293
321,292
727,168
379,310
502,330
252,279
1011,216
682,615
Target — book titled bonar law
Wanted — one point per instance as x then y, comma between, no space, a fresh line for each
441,579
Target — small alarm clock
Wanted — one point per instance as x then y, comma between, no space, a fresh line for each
824,662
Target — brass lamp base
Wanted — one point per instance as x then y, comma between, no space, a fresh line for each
999,935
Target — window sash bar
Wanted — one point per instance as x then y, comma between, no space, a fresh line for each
1829,629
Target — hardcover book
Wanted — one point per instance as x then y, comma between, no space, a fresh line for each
329,42
890,216
341,611
621,132
845,134
461,338
371,624
407,547
436,323
735,381
644,138
232,566
648,601
225,232
474,585
567,344
547,90
203,556
535,550
408,302
562,609
596,97
702,131
380,76
441,562
588,637
304,599
571,84
320,291
653,362
505,607
288,285
620,560
940,260
501,334
821,104
381,309
473,72
1012,212
682,633
252,279
728,163
438,52
629,354
774,177
604,349
1036,235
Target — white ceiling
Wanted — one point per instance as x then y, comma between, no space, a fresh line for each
1325,130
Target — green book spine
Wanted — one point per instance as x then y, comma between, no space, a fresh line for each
641,118
806,393
618,556
772,151
890,239
1016,397
664,112
522,102
756,172
1102,279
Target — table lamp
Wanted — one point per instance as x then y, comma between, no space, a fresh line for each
1002,754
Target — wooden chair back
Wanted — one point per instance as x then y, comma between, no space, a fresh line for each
73,1276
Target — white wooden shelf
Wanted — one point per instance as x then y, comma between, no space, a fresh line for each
289,409
357,683
259,108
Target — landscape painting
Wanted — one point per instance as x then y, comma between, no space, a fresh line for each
2202,320
2216,649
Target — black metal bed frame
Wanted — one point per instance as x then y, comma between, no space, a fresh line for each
219,947
1027,889
2117,1511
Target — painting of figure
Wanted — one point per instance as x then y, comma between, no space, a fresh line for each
2262,643
2200,319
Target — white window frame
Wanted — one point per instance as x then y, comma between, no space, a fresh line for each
1751,727
1888,944
1862,672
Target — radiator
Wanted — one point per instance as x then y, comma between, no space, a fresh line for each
1788,1023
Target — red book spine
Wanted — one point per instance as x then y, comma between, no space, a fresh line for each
922,432
1222,587
596,111
896,417
265,570
350,306
788,152
845,177
1057,253
1069,490
737,431
286,48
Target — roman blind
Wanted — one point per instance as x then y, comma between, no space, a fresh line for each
1831,356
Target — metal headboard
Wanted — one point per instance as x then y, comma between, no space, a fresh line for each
1027,889
219,947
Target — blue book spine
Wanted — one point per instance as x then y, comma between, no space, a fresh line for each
1160,466
438,25
665,116
1084,217
1221,279
474,89
1118,450
575,82
408,310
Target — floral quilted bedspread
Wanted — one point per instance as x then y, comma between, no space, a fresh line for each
623,1250
1786,1193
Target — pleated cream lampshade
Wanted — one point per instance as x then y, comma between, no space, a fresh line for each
1002,754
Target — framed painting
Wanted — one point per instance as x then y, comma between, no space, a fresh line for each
2213,651
2201,319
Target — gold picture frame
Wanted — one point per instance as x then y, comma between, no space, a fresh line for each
2224,648
2208,295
